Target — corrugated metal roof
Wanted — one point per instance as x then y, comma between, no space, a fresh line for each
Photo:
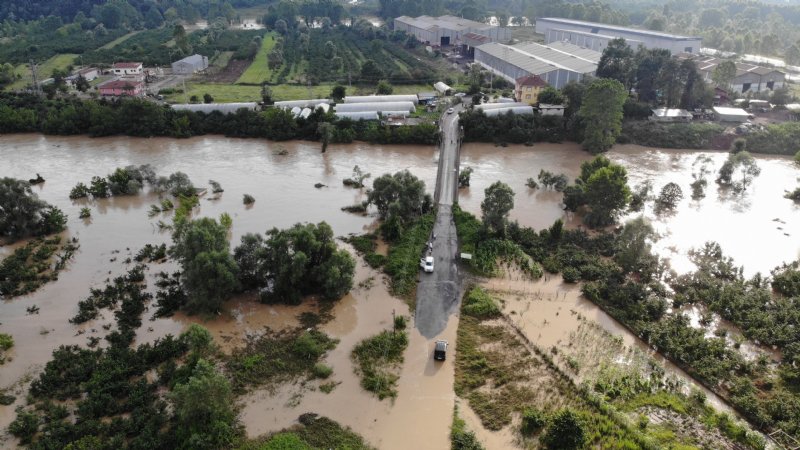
301,103
193,60
569,56
731,111
488,106
518,110
581,52
537,59
604,26
447,22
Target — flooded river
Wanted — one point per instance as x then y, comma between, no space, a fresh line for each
281,177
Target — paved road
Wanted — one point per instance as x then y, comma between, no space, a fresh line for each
438,293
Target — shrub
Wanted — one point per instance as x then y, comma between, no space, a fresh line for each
571,275
322,371
478,303
533,421
400,323
248,199
24,426
85,213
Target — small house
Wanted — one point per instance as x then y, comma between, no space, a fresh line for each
190,64
127,69
527,89
426,98
551,110
119,88
724,114
671,115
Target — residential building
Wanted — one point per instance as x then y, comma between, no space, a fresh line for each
190,64
671,115
749,77
449,30
527,89
557,63
553,28
90,73
121,87
127,69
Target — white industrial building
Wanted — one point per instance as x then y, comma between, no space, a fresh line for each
748,78
448,30
288,104
224,108
496,109
724,114
557,63
381,98
671,115
553,29
381,107
190,64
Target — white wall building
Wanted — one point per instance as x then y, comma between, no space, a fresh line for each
448,30
190,64
553,27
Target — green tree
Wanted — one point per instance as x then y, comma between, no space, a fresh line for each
617,62
723,74
495,207
566,431
670,195
551,96
209,272
384,88
601,110
204,414
22,213
371,72
738,171
82,84
266,95
298,261
464,176
400,199
338,93
603,187
634,250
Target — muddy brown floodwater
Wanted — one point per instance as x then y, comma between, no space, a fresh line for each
281,177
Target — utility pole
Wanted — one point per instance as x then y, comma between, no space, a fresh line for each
36,87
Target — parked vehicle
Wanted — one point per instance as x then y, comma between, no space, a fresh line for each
440,350
426,264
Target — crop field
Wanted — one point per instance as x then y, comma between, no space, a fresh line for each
46,68
120,40
224,93
259,71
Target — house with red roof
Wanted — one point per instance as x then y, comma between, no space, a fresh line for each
121,87
527,89
128,69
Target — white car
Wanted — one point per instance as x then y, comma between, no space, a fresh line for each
426,264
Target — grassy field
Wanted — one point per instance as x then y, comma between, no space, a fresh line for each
227,93
61,61
119,40
222,60
259,71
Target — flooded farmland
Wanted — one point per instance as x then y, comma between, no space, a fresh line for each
282,178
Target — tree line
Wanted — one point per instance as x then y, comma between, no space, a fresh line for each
20,113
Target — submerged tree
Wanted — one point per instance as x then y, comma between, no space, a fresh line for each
22,213
738,171
603,187
670,195
400,199
495,207
464,176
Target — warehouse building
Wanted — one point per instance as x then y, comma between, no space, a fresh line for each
557,63
592,41
724,114
381,98
449,30
749,77
552,28
381,107
190,64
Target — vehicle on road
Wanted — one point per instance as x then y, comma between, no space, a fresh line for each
426,264
440,350
450,110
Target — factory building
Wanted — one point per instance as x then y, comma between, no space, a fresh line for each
449,30
749,77
190,64
553,29
592,41
557,63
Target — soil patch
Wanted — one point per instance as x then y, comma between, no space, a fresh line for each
231,72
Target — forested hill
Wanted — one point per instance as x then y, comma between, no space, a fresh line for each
118,10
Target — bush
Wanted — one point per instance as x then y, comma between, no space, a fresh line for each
677,135
248,199
377,359
24,426
322,371
479,304
571,275
533,421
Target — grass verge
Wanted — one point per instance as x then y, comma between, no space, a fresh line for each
377,360
259,70
44,71
402,264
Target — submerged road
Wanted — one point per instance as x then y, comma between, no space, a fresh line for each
438,292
